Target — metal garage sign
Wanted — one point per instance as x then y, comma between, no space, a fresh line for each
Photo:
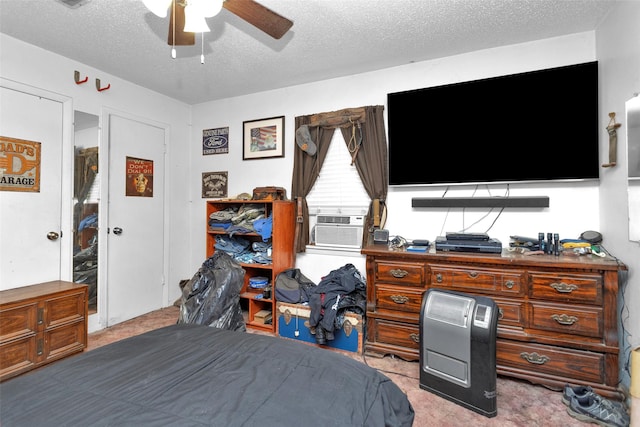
19,165
139,180
215,141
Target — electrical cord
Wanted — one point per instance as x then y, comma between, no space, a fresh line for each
364,360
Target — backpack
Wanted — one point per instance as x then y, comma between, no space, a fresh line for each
292,286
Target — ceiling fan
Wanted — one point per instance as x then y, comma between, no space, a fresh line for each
254,13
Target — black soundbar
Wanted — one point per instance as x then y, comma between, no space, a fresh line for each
480,202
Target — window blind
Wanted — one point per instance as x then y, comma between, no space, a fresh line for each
338,189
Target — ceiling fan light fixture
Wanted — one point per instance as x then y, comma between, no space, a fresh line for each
194,21
158,7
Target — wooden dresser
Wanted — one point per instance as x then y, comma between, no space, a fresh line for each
558,315
41,323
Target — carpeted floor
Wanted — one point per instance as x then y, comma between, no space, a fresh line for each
519,403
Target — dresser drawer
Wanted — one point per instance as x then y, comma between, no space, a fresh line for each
566,287
63,340
511,313
396,334
18,356
397,298
18,321
585,321
552,361
64,309
411,274
477,280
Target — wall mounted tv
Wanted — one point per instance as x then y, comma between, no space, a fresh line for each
528,127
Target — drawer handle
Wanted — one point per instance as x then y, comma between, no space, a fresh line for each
415,338
40,316
563,319
534,358
40,347
563,287
439,277
399,299
399,274
510,284
500,313
473,274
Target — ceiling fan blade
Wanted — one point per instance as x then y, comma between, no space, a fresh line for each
259,16
182,38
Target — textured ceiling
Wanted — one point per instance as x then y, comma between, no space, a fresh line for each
329,38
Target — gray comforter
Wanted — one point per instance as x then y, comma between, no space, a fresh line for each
194,375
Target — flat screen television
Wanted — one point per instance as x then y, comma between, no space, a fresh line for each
527,127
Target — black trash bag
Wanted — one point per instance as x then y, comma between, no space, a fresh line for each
212,296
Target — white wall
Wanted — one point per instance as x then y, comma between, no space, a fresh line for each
41,69
618,50
573,207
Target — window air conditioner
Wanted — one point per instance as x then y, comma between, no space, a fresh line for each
339,230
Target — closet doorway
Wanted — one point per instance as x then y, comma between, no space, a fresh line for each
34,244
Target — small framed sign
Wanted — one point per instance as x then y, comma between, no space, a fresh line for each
214,184
19,165
139,180
215,141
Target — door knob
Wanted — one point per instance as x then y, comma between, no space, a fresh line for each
52,235
117,231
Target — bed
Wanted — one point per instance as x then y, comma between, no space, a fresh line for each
195,375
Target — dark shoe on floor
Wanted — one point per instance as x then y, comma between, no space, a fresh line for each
583,391
590,408
320,335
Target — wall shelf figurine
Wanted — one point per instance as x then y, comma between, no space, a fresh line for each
612,128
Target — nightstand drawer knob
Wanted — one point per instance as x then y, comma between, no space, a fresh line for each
415,338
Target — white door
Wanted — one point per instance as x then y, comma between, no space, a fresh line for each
31,225
136,227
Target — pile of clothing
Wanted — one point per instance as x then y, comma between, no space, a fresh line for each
248,218
342,290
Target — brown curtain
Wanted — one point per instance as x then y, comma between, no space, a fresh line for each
370,160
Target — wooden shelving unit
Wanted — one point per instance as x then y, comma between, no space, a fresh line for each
282,256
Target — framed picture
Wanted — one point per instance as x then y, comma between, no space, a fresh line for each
263,139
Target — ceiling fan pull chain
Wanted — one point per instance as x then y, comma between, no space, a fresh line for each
202,49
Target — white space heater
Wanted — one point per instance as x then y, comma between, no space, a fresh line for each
458,349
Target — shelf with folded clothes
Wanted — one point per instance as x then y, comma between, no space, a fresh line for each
258,234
